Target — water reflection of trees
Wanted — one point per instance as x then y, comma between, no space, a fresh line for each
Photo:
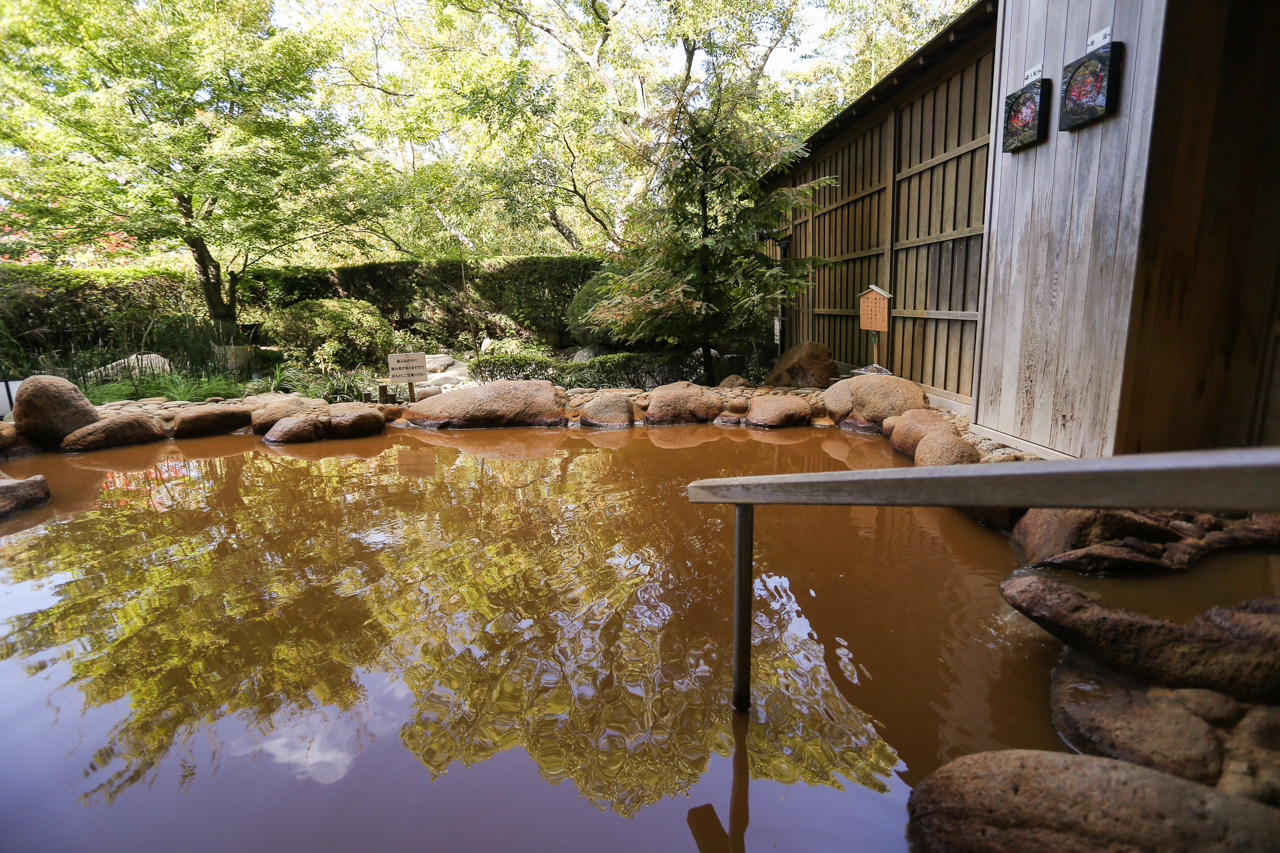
570,605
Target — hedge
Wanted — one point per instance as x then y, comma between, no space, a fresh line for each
76,320
505,296
617,370
80,319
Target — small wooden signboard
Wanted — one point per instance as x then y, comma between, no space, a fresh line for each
873,310
408,367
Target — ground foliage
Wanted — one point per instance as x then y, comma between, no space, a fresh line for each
507,297
74,320
71,320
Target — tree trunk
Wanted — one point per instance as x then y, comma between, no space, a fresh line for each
562,227
209,275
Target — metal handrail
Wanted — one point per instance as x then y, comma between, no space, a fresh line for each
1242,479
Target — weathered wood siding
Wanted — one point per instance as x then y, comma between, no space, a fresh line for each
939,193
1065,218
905,213
850,227
1203,348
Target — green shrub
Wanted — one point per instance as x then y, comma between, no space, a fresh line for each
334,386
617,370
77,320
583,301
331,332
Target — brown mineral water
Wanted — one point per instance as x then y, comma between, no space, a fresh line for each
499,640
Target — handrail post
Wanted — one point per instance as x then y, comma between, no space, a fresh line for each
743,543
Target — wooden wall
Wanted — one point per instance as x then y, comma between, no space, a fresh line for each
1203,364
939,193
1065,218
851,227
905,213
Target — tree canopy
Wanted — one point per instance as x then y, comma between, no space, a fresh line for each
245,130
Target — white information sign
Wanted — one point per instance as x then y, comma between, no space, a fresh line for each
408,367
1098,39
1033,74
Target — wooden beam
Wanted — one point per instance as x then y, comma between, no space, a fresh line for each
958,234
1245,479
851,199
934,315
945,157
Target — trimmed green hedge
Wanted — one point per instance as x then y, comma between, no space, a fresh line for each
81,319
505,297
75,320
617,370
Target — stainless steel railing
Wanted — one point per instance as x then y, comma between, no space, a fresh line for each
1244,479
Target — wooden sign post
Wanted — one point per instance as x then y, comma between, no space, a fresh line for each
408,367
873,316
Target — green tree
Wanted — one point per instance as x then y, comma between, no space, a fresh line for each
180,122
706,276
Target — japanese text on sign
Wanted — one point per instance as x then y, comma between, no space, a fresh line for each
408,367
873,311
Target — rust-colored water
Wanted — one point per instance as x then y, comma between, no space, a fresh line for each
483,641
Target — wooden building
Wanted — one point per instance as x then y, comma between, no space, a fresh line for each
1112,289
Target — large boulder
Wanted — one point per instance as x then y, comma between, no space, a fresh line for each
911,426
943,447
774,411
16,495
1149,550
1027,801
215,419
1230,650
142,364
119,431
863,402
1252,764
454,375
269,415
1045,533
735,381
298,429
505,403
806,365
682,403
440,362
355,420
1100,712
607,411
47,409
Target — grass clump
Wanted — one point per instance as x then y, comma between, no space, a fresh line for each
175,386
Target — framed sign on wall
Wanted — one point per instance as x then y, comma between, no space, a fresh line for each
1091,86
1026,116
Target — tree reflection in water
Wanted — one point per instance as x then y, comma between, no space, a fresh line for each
561,598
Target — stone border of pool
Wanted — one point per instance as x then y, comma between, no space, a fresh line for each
53,415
